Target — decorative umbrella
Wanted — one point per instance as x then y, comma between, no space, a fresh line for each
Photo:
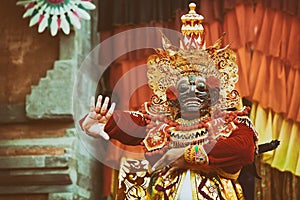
56,14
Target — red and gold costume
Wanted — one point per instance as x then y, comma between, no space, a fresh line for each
218,143
216,179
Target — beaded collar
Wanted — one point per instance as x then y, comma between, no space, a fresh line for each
164,133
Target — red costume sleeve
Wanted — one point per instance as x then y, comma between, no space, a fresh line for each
234,152
129,129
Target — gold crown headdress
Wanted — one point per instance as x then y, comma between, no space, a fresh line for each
169,64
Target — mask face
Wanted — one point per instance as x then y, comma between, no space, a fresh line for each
194,96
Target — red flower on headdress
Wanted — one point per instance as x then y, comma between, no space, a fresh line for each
212,82
172,93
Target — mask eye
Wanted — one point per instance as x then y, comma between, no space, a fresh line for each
201,86
183,87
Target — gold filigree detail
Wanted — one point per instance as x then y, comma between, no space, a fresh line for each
192,58
165,70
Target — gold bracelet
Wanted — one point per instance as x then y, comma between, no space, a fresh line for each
188,154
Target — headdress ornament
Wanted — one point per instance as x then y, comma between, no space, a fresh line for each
171,63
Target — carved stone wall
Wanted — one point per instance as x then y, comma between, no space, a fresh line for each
41,157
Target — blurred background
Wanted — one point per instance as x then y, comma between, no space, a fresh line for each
41,157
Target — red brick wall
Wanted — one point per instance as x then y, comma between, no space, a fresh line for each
25,54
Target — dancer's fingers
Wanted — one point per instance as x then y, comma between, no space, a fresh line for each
104,106
92,104
110,111
104,135
99,102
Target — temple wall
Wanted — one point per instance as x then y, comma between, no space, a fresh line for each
41,157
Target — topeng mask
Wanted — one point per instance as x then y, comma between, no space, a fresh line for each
193,94
195,97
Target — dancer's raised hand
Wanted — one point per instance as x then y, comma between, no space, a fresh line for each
97,118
